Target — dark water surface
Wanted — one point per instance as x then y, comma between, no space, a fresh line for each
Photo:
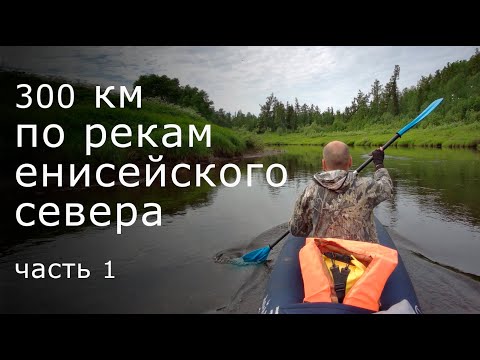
434,218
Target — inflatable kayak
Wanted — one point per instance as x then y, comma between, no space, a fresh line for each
284,292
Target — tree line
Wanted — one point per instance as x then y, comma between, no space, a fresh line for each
458,83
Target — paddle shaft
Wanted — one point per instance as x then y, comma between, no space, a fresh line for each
387,144
280,239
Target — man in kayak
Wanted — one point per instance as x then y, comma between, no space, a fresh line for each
339,204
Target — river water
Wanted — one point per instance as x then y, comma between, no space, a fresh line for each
434,218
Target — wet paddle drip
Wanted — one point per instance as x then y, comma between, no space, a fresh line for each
257,249
234,257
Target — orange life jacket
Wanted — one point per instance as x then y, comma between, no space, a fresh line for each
380,261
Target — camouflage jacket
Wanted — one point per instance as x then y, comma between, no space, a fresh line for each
339,204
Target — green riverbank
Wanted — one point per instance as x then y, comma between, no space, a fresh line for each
448,135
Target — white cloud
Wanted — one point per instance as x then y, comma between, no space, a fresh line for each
242,77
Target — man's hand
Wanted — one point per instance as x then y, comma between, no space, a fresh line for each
378,156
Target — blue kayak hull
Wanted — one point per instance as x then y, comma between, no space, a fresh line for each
284,292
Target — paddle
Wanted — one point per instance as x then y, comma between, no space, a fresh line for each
403,130
260,255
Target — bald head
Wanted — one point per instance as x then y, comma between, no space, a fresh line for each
336,156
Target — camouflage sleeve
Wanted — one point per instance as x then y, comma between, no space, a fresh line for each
301,221
383,188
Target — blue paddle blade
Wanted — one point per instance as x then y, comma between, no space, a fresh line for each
259,255
420,117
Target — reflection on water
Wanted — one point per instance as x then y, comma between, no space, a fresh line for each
171,268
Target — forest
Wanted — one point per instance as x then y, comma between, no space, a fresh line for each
378,106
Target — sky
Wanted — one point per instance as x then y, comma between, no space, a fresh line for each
241,77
